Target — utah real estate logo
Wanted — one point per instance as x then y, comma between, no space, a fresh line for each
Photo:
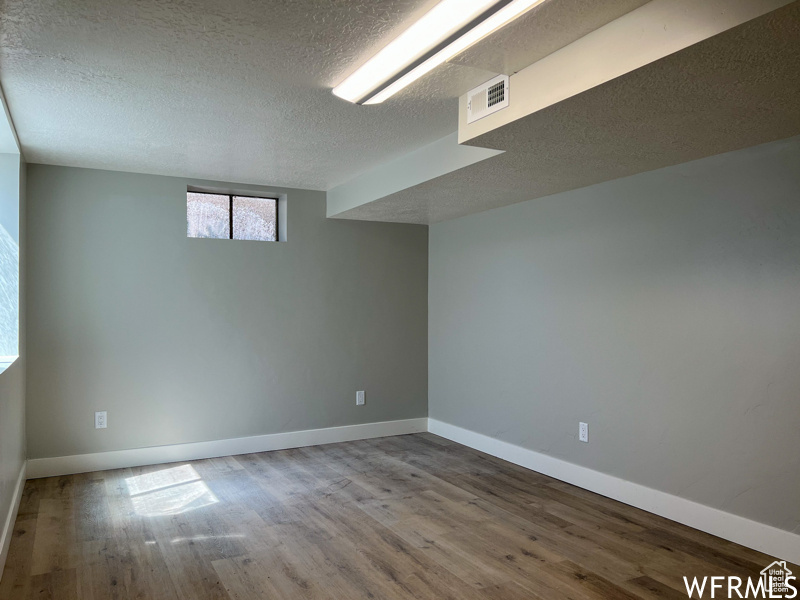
776,581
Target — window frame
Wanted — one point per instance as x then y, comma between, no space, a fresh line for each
230,212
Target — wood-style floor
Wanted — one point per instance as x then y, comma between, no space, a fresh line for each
413,516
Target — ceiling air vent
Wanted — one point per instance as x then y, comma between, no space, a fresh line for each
487,98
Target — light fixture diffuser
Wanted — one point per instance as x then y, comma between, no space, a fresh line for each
499,19
437,25
382,76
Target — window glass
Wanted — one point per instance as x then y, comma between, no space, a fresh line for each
207,215
254,219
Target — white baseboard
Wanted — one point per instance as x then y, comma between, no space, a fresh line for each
11,517
118,459
761,537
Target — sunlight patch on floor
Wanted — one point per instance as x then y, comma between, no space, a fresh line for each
169,492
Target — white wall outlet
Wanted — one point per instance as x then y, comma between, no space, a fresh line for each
359,398
100,420
583,432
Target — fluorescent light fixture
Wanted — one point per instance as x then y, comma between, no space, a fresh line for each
435,26
499,19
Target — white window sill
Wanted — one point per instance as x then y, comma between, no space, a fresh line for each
6,361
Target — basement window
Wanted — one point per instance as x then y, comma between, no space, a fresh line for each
231,217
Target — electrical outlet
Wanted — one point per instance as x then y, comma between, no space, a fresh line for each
359,398
583,432
100,420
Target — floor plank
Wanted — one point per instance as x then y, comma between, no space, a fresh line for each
413,516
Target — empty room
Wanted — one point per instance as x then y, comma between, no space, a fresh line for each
399,299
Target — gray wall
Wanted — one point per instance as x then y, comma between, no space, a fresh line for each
12,380
9,253
663,309
184,340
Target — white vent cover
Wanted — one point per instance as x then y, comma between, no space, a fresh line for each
487,98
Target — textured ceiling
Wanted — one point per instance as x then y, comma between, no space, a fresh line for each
734,90
238,90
